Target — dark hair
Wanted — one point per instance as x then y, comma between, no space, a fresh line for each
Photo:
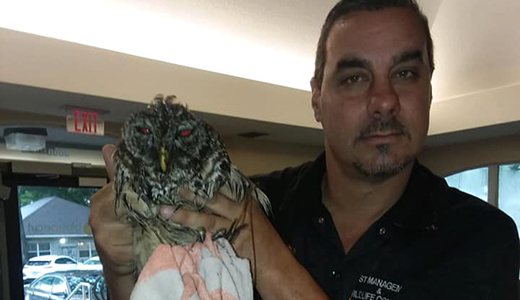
345,7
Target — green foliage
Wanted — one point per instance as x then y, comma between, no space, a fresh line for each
29,194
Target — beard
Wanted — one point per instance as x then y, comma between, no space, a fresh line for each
384,166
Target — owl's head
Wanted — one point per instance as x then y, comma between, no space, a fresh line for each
167,136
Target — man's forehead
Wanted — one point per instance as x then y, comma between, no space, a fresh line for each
384,17
388,31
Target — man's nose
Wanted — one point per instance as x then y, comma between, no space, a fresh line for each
383,101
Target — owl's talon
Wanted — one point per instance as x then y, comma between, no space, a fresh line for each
201,232
221,233
229,234
235,232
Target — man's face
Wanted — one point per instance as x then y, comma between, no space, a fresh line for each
375,97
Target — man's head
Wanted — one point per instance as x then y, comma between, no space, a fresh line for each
372,90
345,7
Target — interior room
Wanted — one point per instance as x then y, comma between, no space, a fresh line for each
71,72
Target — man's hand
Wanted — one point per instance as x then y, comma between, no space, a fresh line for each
277,272
113,236
225,212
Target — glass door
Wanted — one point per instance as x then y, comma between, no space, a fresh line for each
47,232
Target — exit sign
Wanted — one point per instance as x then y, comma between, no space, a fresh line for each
85,122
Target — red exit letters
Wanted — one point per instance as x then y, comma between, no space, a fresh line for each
85,121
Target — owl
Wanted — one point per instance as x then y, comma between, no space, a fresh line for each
168,156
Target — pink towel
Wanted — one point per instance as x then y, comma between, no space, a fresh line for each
208,271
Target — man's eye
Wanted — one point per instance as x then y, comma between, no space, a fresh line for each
406,74
354,79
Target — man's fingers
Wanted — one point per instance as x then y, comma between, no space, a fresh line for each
211,223
225,207
108,155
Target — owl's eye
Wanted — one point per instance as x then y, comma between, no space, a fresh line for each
185,133
145,130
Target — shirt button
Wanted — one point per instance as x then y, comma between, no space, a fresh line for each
321,220
382,231
336,274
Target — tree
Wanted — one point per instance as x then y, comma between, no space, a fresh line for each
29,194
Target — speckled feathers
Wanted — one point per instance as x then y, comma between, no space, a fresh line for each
165,152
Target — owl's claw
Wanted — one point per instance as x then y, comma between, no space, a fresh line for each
201,234
221,233
229,234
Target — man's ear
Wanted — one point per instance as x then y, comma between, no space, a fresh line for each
316,99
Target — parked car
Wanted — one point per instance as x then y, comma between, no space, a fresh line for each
39,265
92,264
68,285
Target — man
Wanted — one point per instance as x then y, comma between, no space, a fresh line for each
365,220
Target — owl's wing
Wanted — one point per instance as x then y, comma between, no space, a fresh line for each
239,186
128,198
121,179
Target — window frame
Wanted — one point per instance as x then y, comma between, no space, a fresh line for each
493,180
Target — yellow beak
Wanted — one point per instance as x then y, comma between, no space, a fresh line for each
164,159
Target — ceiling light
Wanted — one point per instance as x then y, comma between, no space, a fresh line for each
25,138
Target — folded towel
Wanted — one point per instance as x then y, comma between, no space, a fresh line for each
206,271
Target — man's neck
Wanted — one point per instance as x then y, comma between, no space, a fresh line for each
350,194
355,202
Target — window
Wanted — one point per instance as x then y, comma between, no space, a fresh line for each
38,249
32,250
54,220
45,284
85,250
59,287
65,261
44,249
84,254
509,191
498,184
38,262
474,182
69,261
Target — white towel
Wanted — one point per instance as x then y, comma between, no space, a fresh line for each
208,271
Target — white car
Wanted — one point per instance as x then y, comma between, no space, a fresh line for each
68,285
92,264
39,265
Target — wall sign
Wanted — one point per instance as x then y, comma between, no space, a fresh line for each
85,122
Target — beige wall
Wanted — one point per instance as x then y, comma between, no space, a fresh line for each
13,118
250,156
257,156
260,156
66,66
447,160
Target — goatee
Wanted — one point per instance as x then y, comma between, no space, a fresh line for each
383,170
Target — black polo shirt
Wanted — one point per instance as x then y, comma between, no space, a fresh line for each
436,242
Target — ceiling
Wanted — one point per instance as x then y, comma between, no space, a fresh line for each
476,49
117,111
476,40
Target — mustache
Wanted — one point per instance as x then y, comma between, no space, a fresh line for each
379,125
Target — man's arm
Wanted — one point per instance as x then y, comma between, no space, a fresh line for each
113,237
113,240
278,274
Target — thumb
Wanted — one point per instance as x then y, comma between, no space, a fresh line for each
108,155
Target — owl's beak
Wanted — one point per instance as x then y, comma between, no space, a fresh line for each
164,159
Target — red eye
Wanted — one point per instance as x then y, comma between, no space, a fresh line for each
145,131
185,133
